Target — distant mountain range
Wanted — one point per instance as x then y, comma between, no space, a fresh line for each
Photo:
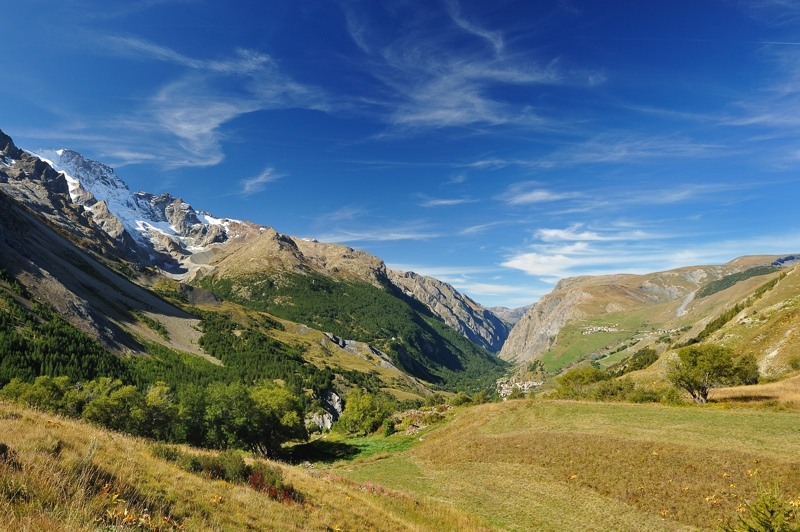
425,326
111,261
751,304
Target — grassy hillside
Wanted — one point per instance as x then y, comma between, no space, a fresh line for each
542,465
756,311
518,465
57,474
416,340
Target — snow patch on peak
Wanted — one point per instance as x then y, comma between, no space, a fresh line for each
53,158
142,214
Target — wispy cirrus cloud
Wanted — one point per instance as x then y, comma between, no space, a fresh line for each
425,88
256,184
243,62
773,12
578,233
494,38
181,123
445,202
610,149
343,214
531,192
410,231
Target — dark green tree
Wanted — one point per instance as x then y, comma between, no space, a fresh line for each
229,416
278,418
364,412
701,367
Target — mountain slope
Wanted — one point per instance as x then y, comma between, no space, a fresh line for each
59,474
459,312
327,286
75,283
607,318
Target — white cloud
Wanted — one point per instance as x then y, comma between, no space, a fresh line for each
574,233
542,265
549,261
495,38
479,228
375,234
256,184
244,61
181,124
445,202
428,88
344,214
527,193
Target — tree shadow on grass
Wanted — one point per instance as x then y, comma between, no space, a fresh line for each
320,451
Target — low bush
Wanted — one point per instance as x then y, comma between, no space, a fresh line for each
230,466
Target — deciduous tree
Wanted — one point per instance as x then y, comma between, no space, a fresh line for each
701,367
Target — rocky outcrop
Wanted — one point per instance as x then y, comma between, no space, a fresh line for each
332,408
593,297
539,327
340,261
509,315
456,310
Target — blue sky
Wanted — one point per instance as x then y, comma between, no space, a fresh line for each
499,146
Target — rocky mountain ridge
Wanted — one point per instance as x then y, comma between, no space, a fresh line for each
167,233
606,318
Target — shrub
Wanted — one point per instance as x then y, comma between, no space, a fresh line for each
264,476
233,466
170,453
644,395
575,383
611,390
388,427
770,512
460,399
672,397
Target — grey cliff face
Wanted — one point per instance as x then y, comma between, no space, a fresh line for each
164,231
537,330
457,311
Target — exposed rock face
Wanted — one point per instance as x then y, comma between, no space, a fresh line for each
458,311
332,408
341,261
166,232
509,315
8,151
537,330
580,298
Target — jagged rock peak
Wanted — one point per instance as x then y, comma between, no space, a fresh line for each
93,174
7,148
458,311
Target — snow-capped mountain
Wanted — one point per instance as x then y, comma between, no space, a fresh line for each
91,205
161,222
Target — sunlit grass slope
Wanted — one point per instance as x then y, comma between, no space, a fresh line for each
542,465
59,474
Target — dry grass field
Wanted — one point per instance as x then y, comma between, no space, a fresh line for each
784,394
519,465
64,475
558,465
